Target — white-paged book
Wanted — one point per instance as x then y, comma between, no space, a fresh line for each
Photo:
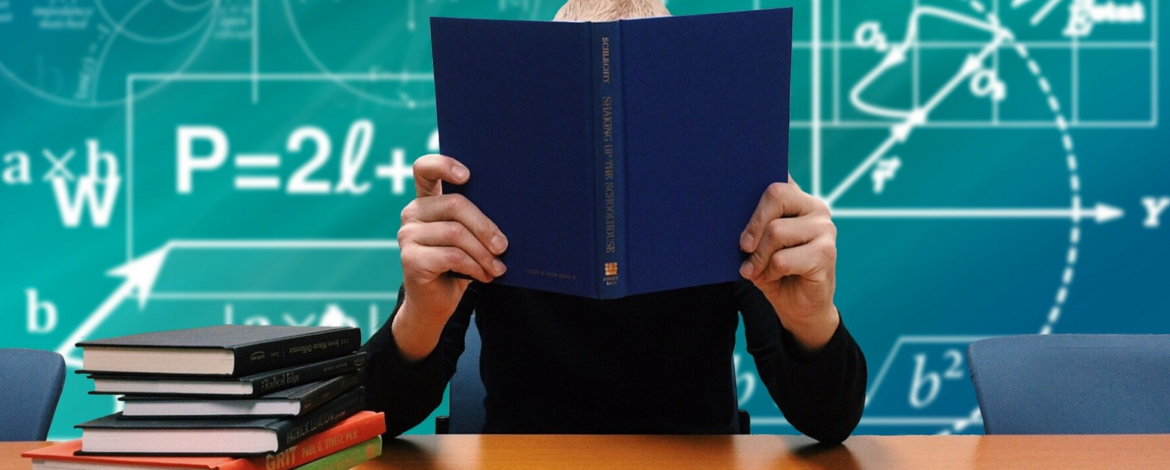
289,402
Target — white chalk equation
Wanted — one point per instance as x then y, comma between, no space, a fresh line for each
94,189
305,179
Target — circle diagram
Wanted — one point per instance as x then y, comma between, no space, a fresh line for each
397,52
85,49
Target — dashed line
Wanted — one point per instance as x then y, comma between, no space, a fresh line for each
1074,184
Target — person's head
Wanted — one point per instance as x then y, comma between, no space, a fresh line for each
610,10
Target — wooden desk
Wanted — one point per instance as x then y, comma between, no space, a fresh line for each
752,452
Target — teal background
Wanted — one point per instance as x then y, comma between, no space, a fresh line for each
911,289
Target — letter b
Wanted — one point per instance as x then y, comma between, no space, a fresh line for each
99,160
35,308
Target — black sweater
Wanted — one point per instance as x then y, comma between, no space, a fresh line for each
657,363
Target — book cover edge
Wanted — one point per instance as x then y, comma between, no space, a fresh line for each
609,154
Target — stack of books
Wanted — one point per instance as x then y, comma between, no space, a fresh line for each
226,397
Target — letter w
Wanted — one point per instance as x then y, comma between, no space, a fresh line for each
86,194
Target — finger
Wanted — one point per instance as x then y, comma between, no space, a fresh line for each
811,261
435,261
431,170
455,207
439,234
784,233
779,200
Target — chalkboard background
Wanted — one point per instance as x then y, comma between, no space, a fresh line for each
179,163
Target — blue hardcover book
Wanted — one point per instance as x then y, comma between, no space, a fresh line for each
619,158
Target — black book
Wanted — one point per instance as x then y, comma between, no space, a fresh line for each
214,386
115,435
227,350
289,402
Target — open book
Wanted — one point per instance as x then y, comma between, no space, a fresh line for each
618,158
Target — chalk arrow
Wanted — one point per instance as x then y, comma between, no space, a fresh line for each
896,56
972,64
901,132
138,277
1106,213
1102,213
142,273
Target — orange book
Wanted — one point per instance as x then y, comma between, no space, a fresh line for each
354,430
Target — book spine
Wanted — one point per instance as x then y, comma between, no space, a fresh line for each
328,442
263,357
609,139
322,395
349,458
288,378
291,431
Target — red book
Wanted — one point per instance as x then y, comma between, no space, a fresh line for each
354,430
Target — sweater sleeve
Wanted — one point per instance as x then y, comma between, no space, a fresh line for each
408,392
821,394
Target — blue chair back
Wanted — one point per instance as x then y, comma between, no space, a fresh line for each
30,385
1073,384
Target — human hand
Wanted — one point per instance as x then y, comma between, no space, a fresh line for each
441,233
793,247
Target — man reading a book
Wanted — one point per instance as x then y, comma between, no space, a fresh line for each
654,363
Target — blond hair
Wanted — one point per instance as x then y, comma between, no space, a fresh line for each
610,10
